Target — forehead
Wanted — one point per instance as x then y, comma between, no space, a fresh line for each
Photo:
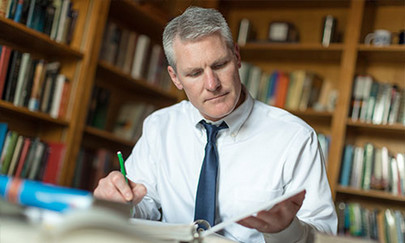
202,51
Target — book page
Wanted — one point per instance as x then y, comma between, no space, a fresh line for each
264,206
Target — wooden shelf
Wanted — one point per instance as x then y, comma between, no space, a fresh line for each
392,53
395,129
280,3
100,138
109,72
291,51
7,109
371,194
313,113
20,37
130,13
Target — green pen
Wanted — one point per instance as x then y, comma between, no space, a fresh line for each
124,173
122,166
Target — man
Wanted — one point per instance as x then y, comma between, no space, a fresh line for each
262,152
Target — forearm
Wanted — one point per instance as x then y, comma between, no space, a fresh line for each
297,231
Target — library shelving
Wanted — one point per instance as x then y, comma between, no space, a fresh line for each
338,63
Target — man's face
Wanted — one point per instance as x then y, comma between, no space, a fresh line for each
208,72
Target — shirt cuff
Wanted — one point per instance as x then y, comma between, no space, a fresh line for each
293,233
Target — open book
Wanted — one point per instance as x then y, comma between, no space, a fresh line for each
85,217
101,224
188,232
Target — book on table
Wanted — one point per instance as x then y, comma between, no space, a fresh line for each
98,215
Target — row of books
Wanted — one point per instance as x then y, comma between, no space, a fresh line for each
29,157
370,167
55,18
128,124
376,102
282,31
33,83
385,226
130,120
135,54
91,166
296,90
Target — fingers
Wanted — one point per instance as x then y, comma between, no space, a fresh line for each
138,191
114,187
260,225
278,217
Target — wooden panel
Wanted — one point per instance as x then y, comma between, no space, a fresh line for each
291,52
371,198
347,70
143,18
97,17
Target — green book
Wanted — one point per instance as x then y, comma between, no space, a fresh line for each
368,165
9,152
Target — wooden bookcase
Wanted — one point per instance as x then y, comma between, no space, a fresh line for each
80,63
76,64
337,63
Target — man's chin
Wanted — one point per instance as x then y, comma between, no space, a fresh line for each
217,114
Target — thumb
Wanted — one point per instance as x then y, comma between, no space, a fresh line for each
139,191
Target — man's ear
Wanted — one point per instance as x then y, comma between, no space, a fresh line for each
237,55
174,78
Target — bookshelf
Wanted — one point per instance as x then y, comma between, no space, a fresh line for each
123,87
80,64
338,63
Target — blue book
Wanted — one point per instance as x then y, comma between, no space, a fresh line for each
31,13
43,195
18,11
272,87
3,133
346,165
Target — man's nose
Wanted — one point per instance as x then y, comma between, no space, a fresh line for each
211,80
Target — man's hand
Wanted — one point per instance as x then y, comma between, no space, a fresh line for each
114,187
277,218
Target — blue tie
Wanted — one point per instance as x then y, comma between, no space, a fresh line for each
205,203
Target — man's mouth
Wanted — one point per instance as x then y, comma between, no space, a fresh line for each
216,97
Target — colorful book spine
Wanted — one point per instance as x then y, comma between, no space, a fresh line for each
42,195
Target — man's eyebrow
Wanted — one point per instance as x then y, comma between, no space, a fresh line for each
192,69
220,60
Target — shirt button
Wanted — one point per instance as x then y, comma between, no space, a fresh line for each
233,134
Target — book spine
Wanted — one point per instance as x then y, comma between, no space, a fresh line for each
18,11
3,7
4,62
42,195
347,165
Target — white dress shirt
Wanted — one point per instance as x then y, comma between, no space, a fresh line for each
264,153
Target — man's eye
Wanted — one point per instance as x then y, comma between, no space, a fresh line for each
195,74
220,65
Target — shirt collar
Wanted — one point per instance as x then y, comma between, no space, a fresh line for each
234,120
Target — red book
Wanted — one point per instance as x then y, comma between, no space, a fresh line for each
23,156
54,163
282,88
65,99
4,60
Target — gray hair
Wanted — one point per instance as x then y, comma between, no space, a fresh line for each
194,24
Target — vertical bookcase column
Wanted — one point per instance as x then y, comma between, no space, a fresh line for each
96,19
347,71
